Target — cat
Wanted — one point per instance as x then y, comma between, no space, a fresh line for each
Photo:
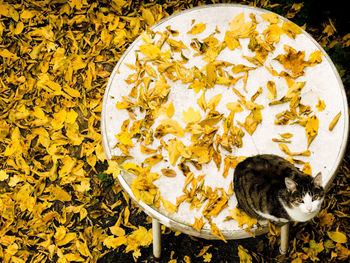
269,187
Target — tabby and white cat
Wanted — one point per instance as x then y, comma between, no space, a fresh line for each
269,187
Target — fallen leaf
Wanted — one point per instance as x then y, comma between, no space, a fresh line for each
196,29
337,236
244,257
216,232
334,121
198,224
191,115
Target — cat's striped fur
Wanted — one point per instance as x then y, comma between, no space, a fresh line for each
269,187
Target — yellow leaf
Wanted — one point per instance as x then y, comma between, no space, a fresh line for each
272,90
144,190
187,259
284,148
125,138
307,169
243,219
244,257
132,168
113,168
71,92
214,101
231,40
148,16
334,121
117,231
170,109
73,257
57,193
3,175
207,257
147,150
114,242
315,57
71,116
234,106
69,237
201,102
168,172
291,29
271,18
154,159
272,33
174,153
250,124
320,105
311,129
170,126
203,250
151,51
198,224
241,29
196,29
286,135
216,232
19,28
169,206
191,115
337,236
241,68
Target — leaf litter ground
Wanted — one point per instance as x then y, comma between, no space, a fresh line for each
59,200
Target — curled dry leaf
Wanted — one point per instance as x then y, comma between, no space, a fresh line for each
168,172
334,121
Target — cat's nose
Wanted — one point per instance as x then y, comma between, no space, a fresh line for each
309,208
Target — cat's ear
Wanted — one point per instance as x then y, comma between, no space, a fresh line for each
290,184
318,180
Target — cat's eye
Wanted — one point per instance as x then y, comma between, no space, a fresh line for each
315,197
299,200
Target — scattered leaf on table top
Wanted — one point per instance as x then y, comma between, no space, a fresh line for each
271,18
196,29
241,29
307,169
150,50
191,115
198,224
168,172
284,148
311,129
169,206
243,219
320,105
216,232
234,106
286,135
144,189
271,86
334,121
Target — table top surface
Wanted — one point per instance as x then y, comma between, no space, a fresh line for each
322,82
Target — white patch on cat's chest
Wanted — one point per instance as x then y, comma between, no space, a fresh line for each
271,217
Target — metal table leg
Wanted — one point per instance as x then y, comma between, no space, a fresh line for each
156,238
284,239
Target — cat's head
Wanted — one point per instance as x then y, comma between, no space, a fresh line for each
305,193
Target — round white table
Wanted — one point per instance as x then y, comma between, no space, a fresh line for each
322,82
